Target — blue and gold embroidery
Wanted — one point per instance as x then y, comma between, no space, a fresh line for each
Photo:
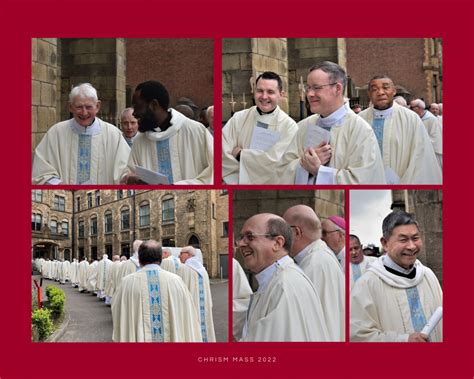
156,314
84,158
164,159
418,318
202,309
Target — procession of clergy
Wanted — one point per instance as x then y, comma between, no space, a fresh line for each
300,294
169,147
384,144
154,296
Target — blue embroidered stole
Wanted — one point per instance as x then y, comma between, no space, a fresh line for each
377,125
156,316
418,318
84,158
202,308
176,264
356,272
164,159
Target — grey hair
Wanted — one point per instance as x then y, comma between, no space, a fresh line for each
125,111
84,90
420,103
397,218
336,73
136,245
278,227
189,249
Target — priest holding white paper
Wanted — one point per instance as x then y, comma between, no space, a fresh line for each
286,306
396,297
254,139
169,144
333,146
82,150
406,149
153,305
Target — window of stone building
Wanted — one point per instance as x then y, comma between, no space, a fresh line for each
78,204
125,247
89,200
125,219
108,222
194,241
144,214
213,210
168,242
59,203
94,253
108,251
119,194
225,229
36,219
168,210
53,226
93,226
97,198
65,228
37,196
81,229
130,193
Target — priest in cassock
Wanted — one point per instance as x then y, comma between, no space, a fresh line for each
395,298
196,279
286,306
254,139
359,262
82,150
406,149
319,263
170,144
153,305
334,145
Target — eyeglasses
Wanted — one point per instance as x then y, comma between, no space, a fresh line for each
249,237
326,232
316,88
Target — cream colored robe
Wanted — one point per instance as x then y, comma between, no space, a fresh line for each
355,153
92,277
407,149
83,268
114,272
191,151
64,271
379,304
257,164
364,265
287,310
191,279
153,305
433,127
241,293
171,264
57,154
74,272
323,269
129,267
103,272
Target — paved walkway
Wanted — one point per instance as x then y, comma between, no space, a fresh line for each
88,319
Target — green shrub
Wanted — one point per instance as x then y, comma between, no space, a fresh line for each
41,320
56,301
34,300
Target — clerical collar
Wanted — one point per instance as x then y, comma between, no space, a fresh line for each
303,253
195,264
264,276
384,113
389,263
260,112
333,119
151,266
165,124
92,130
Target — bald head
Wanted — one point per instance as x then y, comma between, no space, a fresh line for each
418,106
185,110
116,258
149,252
305,224
434,108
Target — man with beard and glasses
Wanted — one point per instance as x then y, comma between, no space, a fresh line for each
254,139
169,143
82,150
397,295
407,152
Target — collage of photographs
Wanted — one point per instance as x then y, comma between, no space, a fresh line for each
296,197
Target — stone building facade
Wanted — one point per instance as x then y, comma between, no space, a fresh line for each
108,221
114,66
427,206
414,63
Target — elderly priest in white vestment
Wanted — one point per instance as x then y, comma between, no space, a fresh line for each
397,295
82,150
286,306
320,264
254,139
359,263
153,305
196,279
334,145
170,262
407,152
176,149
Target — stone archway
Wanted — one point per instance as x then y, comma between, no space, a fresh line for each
194,241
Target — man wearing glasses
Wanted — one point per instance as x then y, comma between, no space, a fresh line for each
286,306
333,146
254,139
334,234
408,156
